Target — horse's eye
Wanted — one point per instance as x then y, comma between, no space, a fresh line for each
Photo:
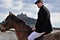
6,21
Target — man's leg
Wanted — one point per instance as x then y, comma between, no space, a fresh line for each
34,35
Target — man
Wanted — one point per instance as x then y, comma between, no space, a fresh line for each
43,24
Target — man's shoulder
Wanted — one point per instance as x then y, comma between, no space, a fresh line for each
46,9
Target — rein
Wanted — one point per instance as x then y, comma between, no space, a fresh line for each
20,30
5,24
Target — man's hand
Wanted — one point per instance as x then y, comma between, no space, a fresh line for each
33,28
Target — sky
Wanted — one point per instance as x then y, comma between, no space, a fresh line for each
30,9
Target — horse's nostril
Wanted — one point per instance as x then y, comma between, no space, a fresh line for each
0,28
2,31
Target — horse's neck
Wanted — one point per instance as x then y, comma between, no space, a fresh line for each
22,31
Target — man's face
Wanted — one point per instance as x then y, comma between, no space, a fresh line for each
39,4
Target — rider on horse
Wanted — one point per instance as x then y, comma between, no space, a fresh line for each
43,23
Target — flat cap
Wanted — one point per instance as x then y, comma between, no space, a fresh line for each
38,1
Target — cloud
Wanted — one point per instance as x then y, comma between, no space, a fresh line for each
6,3
30,8
2,16
29,1
55,19
49,6
17,5
55,4
20,5
11,5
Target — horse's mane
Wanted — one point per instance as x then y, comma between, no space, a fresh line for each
15,18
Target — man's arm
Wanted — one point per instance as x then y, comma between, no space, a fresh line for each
33,28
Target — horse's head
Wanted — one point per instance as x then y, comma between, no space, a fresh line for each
7,23
13,22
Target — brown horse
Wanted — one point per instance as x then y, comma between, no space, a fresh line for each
22,30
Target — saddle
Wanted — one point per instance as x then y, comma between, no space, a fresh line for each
42,36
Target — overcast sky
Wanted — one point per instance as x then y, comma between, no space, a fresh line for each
28,7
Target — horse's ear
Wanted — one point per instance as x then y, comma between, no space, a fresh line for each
10,13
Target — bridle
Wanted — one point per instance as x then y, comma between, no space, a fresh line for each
5,23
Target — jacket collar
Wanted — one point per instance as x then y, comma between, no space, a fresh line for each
42,6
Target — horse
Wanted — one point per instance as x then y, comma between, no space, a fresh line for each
22,30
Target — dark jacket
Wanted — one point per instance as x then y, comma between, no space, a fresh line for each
43,23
